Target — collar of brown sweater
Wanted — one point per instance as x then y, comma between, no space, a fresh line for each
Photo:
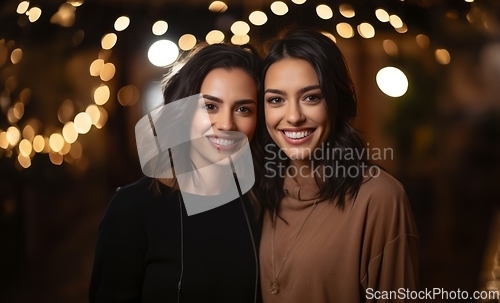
299,196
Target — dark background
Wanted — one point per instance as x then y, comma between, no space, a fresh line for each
445,131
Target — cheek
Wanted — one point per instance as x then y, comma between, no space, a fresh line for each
247,126
201,123
271,116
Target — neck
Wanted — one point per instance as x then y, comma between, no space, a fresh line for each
302,169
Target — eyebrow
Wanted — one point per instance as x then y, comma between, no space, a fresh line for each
219,100
300,91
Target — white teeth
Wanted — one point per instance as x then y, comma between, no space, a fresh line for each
297,135
222,142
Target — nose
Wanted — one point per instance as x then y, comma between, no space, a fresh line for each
224,121
294,114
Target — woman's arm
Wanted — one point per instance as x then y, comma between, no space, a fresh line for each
118,269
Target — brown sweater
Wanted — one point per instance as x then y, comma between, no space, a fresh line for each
341,256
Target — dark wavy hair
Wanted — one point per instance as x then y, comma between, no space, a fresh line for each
338,90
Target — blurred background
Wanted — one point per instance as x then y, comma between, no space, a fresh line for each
75,77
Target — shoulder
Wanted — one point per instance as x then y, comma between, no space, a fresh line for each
384,204
379,182
133,197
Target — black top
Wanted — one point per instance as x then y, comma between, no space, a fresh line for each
138,251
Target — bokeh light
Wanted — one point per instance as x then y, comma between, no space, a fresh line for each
107,72
346,10
329,35
240,28
423,41
390,47
217,7
122,23
392,81
163,52
94,113
83,123
214,36
279,8
38,143
442,56
102,119
159,28
101,94
16,56
395,21
56,142
366,30
69,132
24,161
28,132
345,30
4,143
22,7
187,42
25,147
324,11
108,41
258,18
13,135
128,95
382,15
34,13
56,158
240,40
96,67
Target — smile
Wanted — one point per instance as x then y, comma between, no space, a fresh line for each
220,141
297,137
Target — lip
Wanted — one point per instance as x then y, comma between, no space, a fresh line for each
232,147
297,141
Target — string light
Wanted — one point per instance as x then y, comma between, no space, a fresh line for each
345,30
108,41
324,11
279,8
214,36
122,23
442,56
346,10
187,42
22,7
217,7
240,28
240,40
33,14
257,18
382,15
366,30
159,28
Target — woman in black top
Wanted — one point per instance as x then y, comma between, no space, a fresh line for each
155,243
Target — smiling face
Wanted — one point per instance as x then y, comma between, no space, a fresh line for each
295,109
226,114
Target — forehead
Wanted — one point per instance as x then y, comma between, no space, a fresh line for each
221,78
291,72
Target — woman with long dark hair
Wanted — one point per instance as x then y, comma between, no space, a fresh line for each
336,227
174,236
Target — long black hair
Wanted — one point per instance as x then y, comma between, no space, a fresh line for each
341,104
